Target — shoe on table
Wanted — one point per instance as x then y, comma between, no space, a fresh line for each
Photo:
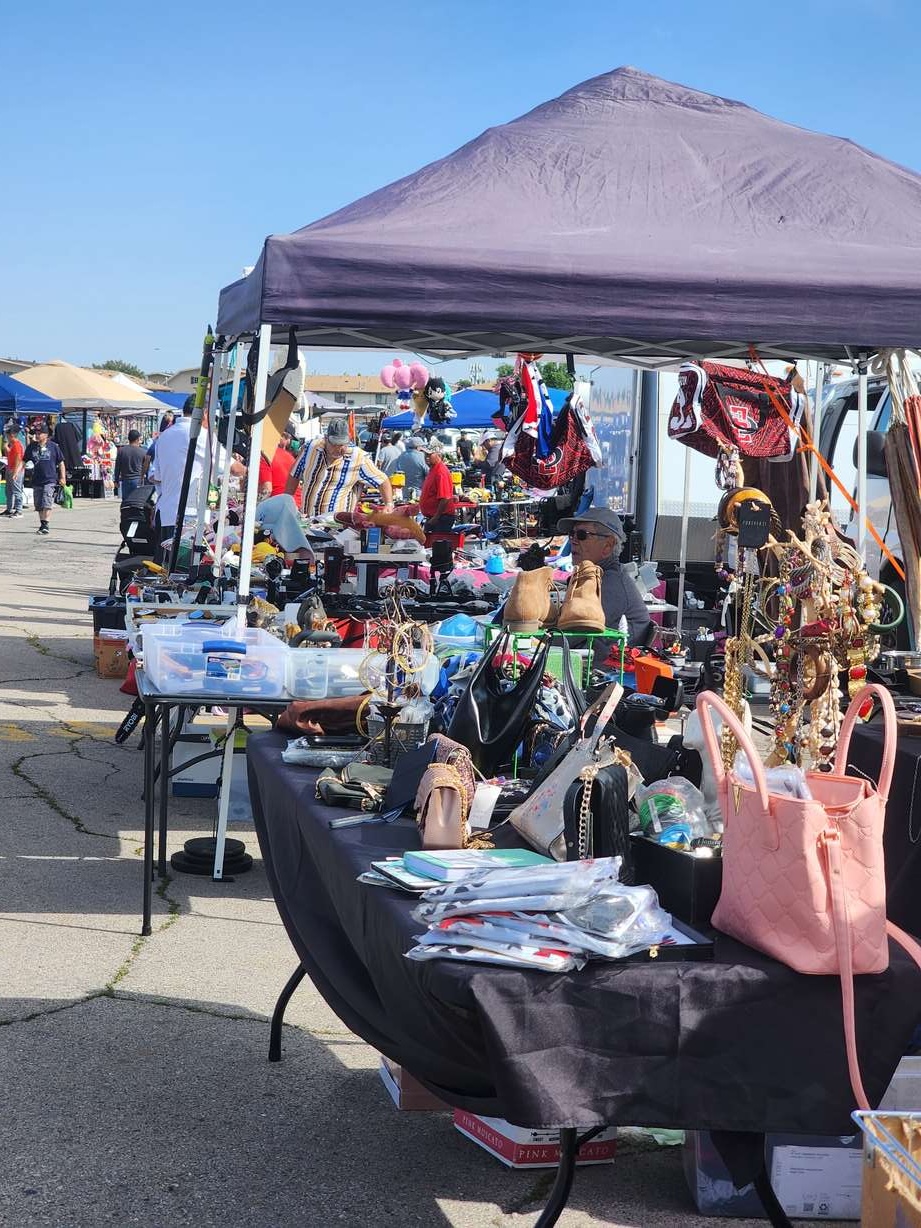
581,609
529,601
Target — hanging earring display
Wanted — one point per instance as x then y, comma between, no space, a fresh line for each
821,616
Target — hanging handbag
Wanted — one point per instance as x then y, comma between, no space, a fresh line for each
489,719
596,816
569,454
719,406
804,881
540,818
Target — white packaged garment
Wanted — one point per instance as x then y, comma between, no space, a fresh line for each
517,957
538,889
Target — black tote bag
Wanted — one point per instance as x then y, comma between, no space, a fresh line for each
489,720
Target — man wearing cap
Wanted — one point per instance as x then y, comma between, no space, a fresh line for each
436,500
15,468
47,472
273,476
332,471
412,463
596,536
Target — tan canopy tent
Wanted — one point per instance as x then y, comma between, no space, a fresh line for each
78,388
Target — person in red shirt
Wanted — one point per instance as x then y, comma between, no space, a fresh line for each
273,478
436,500
15,469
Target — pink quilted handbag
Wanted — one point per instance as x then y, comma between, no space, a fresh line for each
804,881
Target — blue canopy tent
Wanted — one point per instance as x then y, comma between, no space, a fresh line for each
18,398
173,400
475,408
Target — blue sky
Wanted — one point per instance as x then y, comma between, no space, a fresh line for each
147,151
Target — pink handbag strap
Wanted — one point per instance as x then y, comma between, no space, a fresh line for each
707,700
889,734
834,870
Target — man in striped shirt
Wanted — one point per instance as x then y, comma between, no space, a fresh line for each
331,470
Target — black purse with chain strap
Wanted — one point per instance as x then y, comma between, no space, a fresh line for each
596,816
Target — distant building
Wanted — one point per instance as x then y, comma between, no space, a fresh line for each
185,380
12,366
352,391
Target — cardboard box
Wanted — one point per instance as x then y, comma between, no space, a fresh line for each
519,1147
407,1093
199,736
814,1177
891,1170
111,656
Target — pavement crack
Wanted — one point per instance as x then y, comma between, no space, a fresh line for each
50,799
36,642
173,913
55,1010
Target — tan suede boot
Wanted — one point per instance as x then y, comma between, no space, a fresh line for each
529,601
581,609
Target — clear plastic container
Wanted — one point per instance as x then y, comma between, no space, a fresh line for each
315,673
191,660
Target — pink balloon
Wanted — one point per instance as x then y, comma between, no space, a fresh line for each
420,374
387,374
402,376
398,362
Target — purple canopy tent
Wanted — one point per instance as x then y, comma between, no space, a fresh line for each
629,218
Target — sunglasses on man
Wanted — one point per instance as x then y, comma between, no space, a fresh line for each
581,534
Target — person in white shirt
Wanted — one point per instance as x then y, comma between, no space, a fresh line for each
169,465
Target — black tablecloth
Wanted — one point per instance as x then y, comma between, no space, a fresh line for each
902,835
741,1044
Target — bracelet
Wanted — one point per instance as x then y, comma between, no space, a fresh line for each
878,628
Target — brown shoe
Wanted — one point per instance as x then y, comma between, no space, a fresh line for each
529,601
581,609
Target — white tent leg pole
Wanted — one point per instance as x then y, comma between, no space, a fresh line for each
252,475
816,430
862,509
223,806
219,532
208,468
683,548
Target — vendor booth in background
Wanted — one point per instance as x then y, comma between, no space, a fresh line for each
427,739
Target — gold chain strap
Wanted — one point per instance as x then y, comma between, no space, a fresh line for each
587,776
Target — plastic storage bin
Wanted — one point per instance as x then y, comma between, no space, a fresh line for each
315,673
192,660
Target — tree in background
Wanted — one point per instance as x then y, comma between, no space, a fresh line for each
116,364
459,384
556,375
504,370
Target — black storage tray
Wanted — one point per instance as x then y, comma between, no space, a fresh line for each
687,886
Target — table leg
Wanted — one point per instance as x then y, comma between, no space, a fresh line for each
278,1015
150,737
769,1200
562,1185
164,787
223,805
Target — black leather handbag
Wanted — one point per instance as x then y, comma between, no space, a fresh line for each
596,817
490,719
